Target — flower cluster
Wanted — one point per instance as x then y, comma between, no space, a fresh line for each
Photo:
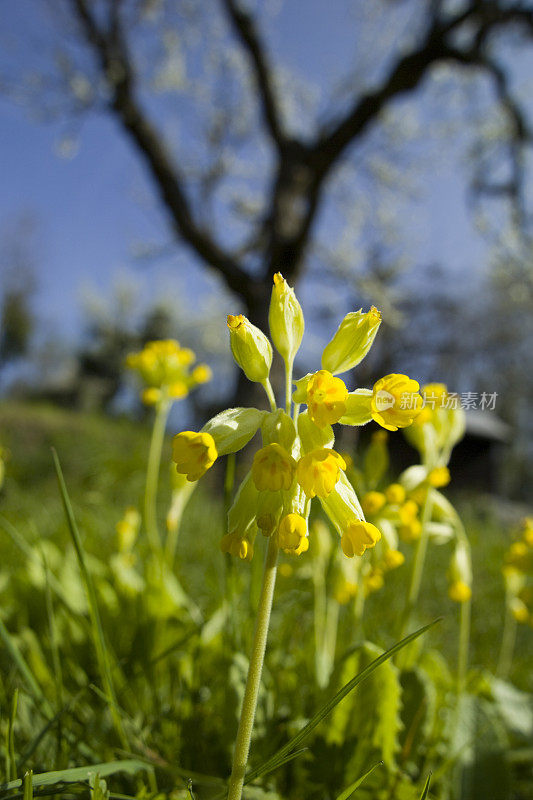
167,371
518,575
297,461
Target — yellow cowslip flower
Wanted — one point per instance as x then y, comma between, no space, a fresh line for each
285,318
235,545
128,528
151,396
438,477
410,531
519,610
273,469
358,536
372,502
352,341
164,368
177,390
374,581
395,494
318,471
326,398
519,556
395,401
193,453
459,592
286,570
201,374
344,591
250,347
408,512
393,559
292,534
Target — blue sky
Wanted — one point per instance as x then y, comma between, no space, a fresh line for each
93,207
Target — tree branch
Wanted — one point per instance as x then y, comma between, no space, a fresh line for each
245,29
410,70
114,61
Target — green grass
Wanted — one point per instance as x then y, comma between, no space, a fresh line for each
178,684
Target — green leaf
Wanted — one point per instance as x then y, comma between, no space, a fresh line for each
102,652
370,723
52,780
481,744
419,707
426,788
317,718
347,793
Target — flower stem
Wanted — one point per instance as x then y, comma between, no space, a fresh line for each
249,703
267,386
288,386
464,642
152,475
507,647
418,566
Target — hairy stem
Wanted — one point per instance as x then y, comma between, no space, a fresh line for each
152,476
249,703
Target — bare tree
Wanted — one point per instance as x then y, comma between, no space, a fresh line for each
107,56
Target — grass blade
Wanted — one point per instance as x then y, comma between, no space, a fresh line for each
28,785
347,793
426,788
18,658
330,705
12,761
96,623
43,783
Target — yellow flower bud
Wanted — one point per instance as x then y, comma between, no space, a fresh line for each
128,529
352,341
286,570
273,469
236,546
519,610
460,574
250,347
410,531
395,401
177,390
459,592
438,477
344,591
373,502
374,581
395,494
358,536
326,398
318,472
393,559
528,537
292,534
285,318
408,512
193,453
201,374
151,396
